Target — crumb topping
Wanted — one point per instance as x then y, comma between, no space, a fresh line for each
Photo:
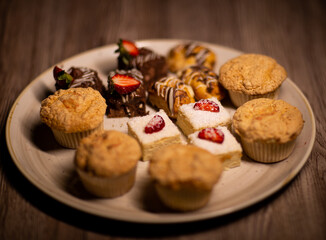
107,153
73,110
268,120
252,74
185,165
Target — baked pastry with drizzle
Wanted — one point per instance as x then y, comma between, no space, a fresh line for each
126,96
169,93
189,54
203,81
152,65
77,77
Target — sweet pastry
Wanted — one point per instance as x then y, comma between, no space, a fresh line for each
205,113
106,162
153,132
220,142
251,76
268,128
152,65
189,54
126,96
203,81
73,114
169,93
77,77
184,176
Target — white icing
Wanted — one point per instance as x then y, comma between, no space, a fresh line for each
202,119
229,144
138,124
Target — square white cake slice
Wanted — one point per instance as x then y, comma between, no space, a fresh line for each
229,150
151,142
190,119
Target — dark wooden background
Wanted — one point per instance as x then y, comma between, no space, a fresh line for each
37,34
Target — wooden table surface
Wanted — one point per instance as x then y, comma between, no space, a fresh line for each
35,35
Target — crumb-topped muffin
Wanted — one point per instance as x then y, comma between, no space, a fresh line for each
268,128
184,176
73,114
250,76
106,162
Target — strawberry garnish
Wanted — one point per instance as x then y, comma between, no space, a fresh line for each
206,105
212,134
63,79
126,50
124,84
156,124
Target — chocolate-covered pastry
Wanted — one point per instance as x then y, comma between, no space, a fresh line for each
149,63
77,77
126,95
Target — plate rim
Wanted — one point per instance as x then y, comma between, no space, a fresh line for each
176,219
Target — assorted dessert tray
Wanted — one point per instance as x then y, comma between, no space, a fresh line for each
161,131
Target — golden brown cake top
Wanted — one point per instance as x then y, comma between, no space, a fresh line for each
185,165
268,120
107,153
73,110
252,74
189,54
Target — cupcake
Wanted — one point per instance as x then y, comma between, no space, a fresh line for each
268,128
184,176
106,163
73,114
251,76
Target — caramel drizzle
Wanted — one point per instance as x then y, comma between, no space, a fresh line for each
205,77
166,88
199,56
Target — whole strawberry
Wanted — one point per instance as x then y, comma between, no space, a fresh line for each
63,79
127,50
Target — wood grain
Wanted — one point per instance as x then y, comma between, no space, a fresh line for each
34,35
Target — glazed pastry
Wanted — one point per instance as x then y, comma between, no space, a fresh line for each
152,65
126,95
169,93
203,81
251,76
77,77
190,54
268,128
153,132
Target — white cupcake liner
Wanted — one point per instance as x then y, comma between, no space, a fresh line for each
108,187
239,98
183,199
71,140
268,152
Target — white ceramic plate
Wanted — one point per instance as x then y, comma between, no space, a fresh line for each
50,167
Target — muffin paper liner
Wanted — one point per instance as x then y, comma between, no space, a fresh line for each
108,187
71,140
268,152
239,98
183,199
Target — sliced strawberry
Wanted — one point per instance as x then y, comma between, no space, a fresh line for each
124,84
212,134
206,105
156,124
